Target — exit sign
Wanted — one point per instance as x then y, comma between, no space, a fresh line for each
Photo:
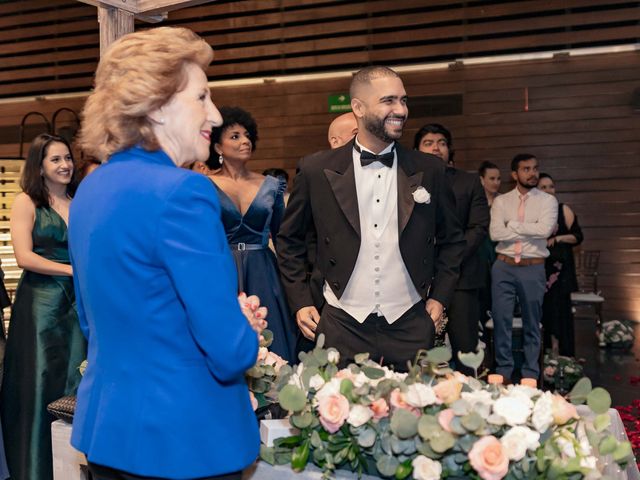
340,102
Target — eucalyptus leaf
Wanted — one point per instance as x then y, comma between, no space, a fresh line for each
439,355
346,387
316,441
404,424
580,390
373,373
427,426
387,465
472,360
601,422
292,398
322,356
607,445
320,341
425,449
367,437
456,426
599,400
302,421
360,358
472,422
442,442
461,407
267,454
622,452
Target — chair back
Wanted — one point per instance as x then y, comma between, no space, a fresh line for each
587,262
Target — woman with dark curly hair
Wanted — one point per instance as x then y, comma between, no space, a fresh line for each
252,209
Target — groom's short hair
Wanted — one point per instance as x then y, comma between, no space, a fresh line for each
367,74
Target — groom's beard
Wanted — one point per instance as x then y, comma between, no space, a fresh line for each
378,128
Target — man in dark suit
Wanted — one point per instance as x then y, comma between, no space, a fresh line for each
379,211
473,213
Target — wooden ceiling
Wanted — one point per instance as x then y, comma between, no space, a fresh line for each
52,46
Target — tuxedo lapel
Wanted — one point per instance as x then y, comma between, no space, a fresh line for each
408,181
343,183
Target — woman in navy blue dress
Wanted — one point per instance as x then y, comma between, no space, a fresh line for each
252,209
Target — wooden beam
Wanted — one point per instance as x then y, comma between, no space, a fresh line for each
146,7
114,23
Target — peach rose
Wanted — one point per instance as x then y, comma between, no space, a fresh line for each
444,419
562,410
254,401
333,410
488,458
448,391
398,400
380,409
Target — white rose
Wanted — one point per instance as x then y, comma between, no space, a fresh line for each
542,416
523,391
426,469
359,415
478,396
360,380
514,410
333,356
316,382
518,440
420,195
588,462
566,447
420,395
332,387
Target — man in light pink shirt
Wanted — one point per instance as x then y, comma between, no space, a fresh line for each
521,221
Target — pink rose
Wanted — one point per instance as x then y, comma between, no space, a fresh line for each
448,391
275,360
254,401
562,410
333,410
488,458
380,409
398,400
444,419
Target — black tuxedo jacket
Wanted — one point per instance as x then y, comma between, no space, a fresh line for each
473,213
324,197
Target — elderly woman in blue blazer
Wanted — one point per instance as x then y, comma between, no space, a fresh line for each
164,394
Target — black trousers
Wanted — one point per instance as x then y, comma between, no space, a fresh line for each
394,344
98,472
463,325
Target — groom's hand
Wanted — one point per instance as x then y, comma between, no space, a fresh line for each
307,319
435,310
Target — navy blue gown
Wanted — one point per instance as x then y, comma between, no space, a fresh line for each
248,237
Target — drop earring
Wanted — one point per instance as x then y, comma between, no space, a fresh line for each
220,159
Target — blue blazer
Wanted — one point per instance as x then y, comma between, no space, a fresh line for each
164,393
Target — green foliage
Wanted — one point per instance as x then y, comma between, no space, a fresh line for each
599,400
404,424
292,398
580,391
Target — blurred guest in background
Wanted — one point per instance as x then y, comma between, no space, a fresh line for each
45,345
252,209
560,268
490,179
342,129
473,214
157,290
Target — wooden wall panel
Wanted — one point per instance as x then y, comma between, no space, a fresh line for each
578,121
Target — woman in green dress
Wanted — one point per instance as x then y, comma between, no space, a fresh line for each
45,345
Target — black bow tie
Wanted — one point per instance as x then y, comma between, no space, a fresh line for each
367,158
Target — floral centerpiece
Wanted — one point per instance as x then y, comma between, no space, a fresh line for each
616,334
562,373
433,423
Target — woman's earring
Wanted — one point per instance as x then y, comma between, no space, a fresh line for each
220,159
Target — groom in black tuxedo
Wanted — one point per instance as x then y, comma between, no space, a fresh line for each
389,241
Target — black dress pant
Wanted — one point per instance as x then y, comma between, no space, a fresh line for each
99,472
393,344
463,325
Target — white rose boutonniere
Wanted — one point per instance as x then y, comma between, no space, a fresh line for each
421,195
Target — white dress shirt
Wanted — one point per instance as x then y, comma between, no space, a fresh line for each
380,282
540,220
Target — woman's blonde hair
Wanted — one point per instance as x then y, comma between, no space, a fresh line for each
138,73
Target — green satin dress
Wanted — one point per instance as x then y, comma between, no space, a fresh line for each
44,349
